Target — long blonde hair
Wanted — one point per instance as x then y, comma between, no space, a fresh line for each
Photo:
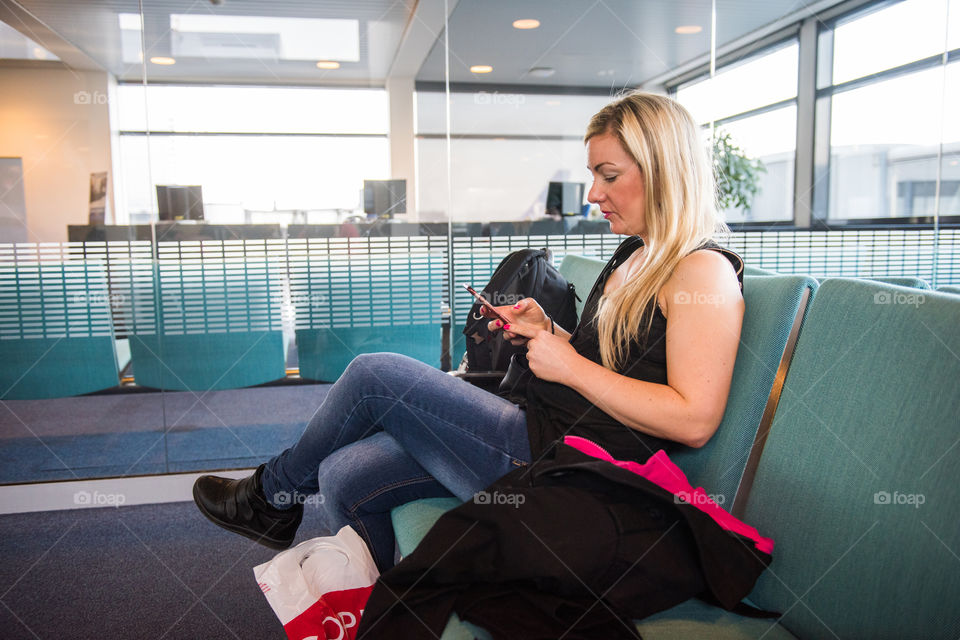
680,209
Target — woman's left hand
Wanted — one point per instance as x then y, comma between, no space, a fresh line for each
551,357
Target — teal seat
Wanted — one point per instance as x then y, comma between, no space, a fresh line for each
697,619
218,328
411,521
325,353
857,481
207,361
775,306
582,273
902,281
366,304
56,330
750,270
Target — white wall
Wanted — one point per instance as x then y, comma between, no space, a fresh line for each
58,121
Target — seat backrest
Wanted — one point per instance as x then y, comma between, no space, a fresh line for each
949,288
56,332
219,323
904,281
750,270
582,272
901,281
857,481
774,311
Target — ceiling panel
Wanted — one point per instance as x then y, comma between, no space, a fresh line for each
607,44
604,44
226,54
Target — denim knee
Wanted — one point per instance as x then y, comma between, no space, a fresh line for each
379,367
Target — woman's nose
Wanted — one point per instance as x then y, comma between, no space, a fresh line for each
594,195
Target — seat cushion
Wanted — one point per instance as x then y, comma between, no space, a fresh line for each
411,521
697,619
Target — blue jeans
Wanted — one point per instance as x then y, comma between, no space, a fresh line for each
393,429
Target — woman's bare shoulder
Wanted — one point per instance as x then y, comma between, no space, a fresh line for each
705,274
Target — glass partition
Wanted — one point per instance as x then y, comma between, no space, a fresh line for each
68,298
207,212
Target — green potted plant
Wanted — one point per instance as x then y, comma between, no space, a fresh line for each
738,177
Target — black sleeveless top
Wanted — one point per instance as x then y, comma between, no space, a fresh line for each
555,410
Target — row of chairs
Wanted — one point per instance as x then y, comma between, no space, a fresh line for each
65,326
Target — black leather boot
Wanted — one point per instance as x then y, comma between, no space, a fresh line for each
239,506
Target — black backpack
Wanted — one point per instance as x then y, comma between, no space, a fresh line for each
526,273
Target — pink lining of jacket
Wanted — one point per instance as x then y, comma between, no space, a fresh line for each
660,470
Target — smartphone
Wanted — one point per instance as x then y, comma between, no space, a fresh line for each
486,303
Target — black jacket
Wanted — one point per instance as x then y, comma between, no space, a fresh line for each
571,546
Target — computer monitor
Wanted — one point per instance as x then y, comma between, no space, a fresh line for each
384,198
180,202
565,198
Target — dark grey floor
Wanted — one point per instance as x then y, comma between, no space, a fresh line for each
148,571
150,433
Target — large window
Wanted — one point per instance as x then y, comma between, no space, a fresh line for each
754,100
505,149
890,97
262,155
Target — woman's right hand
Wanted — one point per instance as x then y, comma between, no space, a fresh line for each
526,312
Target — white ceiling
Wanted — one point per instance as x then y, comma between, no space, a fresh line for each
591,43
602,44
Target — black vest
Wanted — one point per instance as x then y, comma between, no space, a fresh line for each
555,410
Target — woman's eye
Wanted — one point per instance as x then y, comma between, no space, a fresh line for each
609,178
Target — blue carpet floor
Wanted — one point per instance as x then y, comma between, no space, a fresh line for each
148,571
150,433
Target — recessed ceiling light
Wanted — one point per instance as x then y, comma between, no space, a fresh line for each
688,29
526,24
163,60
541,72
328,64
481,68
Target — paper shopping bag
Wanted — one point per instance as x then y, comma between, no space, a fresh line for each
319,588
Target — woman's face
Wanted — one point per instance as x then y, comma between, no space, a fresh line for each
617,185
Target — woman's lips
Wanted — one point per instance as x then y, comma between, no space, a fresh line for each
607,214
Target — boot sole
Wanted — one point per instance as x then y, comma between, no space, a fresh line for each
273,543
